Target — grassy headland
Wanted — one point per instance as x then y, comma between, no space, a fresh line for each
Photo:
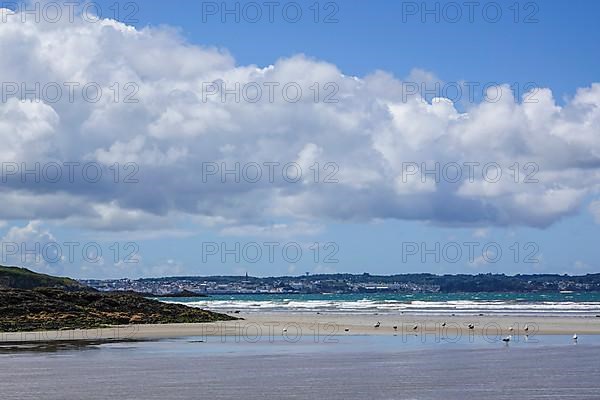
32,302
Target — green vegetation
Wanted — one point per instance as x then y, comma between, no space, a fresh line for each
54,309
33,302
22,278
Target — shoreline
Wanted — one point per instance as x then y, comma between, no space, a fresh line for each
289,325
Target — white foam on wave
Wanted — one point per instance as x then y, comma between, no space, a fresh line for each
364,305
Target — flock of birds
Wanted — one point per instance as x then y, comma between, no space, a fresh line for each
506,339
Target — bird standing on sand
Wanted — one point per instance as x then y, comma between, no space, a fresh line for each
415,327
377,325
444,324
526,329
471,326
511,329
395,327
507,339
346,330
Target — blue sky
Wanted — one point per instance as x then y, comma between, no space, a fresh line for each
370,231
558,51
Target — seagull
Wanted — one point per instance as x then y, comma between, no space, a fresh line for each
284,330
378,324
395,327
511,329
507,339
415,327
346,330
575,337
526,328
444,324
471,326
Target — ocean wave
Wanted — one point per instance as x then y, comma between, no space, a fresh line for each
366,305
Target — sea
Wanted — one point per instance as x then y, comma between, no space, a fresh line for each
551,304
349,367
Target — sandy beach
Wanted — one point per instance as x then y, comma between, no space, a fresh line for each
291,326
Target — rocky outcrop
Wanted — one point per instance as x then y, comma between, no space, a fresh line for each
55,309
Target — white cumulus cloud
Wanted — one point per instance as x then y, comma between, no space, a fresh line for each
361,126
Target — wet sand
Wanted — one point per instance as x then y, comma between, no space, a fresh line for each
358,367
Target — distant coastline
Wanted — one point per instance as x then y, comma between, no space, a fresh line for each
354,283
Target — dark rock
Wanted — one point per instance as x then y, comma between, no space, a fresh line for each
55,309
